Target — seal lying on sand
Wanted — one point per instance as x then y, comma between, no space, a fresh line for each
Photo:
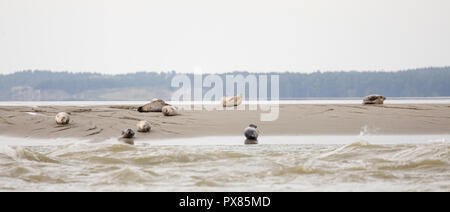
169,110
374,99
155,105
144,126
231,101
251,132
128,133
62,118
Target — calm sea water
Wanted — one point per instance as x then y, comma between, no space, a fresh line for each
421,100
276,163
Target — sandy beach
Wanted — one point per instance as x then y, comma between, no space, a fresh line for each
103,122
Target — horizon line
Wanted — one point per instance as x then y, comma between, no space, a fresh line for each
219,73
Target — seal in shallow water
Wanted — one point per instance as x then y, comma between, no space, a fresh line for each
155,105
144,126
127,140
251,132
251,141
374,99
62,118
169,110
128,133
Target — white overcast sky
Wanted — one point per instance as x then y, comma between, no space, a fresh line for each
120,36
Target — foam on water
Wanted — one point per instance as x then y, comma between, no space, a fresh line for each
277,163
298,140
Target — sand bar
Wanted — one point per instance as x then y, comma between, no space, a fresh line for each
103,122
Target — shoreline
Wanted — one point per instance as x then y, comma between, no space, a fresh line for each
341,140
100,122
306,101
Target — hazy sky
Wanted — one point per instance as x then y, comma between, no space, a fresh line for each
118,36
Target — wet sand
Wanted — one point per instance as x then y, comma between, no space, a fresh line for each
103,122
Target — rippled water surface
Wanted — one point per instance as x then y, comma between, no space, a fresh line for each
310,163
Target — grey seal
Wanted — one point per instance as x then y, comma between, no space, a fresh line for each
128,133
251,132
155,105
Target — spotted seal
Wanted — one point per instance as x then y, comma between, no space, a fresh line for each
143,126
169,110
62,118
231,101
374,99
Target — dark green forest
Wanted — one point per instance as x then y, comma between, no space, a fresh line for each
47,85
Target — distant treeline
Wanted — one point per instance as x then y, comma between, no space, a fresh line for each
47,85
